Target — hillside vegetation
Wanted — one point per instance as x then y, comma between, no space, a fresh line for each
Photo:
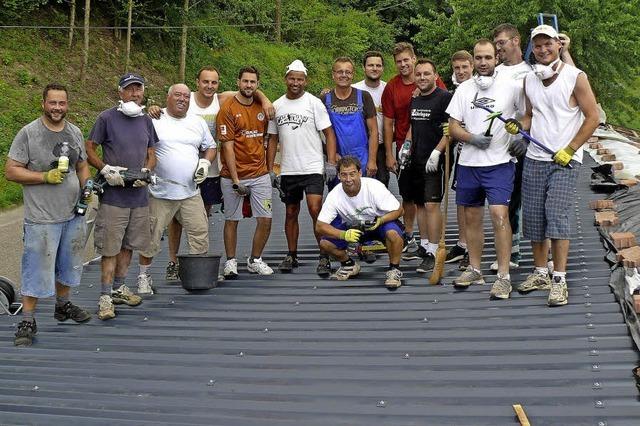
232,34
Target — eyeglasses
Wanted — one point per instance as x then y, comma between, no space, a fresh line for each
501,43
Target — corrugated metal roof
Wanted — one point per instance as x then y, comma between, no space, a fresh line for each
297,349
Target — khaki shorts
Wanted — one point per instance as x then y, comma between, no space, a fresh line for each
189,212
118,228
260,197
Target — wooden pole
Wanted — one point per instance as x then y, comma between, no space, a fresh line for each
72,21
126,66
278,21
183,44
85,60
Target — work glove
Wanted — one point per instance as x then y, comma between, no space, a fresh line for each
202,171
351,235
512,126
240,189
445,129
518,147
330,172
112,175
376,223
480,141
432,162
54,176
563,157
139,183
275,179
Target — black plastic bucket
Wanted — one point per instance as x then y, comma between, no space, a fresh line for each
198,271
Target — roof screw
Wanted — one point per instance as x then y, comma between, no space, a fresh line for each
590,325
425,319
595,367
173,302
145,319
587,295
407,356
211,382
599,404
603,423
381,404
90,285
240,354
594,352
297,303
315,287
587,305
588,315
97,349
35,388
266,330
586,287
597,385
592,338
435,301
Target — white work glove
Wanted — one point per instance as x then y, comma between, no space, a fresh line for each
202,171
138,183
480,141
112,175
330,172
432,162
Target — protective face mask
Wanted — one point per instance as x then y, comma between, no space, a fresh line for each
130,109
545,72
484,81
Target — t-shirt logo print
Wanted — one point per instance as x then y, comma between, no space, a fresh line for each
296,119
260,116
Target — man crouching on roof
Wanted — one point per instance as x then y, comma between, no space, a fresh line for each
360,209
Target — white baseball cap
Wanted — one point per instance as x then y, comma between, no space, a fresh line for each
547,30
296,65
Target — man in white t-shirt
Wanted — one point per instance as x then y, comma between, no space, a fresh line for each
360,209
298,119
184,154
485,170
562,113
373,66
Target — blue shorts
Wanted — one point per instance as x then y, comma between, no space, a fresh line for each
377,234
475,184
53,252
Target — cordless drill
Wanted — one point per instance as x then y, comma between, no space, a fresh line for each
403,156
85,196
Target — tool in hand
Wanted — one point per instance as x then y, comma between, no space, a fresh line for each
498,114
441,252
403,156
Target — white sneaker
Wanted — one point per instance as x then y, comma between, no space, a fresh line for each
145,284
230,268
259,267
512,265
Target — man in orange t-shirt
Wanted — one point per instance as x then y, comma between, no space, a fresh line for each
241,124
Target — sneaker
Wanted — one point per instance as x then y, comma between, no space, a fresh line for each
427,263
259,267
172,272
124,296
464,263
288,263
105,307
501,289
410,244
145,284
512,265
71,311
535,281
393,278
345,272
468,277
367,256
324,266
455,254
25,332
558,295
230,269
418,253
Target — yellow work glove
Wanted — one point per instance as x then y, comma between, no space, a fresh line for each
376,224
445,129
563,156
351,235
53,176
512,126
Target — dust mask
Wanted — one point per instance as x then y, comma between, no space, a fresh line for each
130,109
545,72
484,81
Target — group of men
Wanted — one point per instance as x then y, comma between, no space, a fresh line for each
207,147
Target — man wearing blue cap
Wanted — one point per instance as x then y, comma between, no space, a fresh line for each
122,225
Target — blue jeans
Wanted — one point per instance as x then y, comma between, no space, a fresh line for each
53,252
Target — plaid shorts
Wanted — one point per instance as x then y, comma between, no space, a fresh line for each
548,191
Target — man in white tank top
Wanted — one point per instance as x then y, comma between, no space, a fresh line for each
562,114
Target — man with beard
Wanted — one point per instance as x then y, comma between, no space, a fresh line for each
485,169
562,113
241,124
373,66
47,157
298,119
422,182
127,138
184,152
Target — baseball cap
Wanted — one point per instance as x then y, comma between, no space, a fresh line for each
547,30
130,78
296,65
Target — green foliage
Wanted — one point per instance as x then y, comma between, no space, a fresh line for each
18,9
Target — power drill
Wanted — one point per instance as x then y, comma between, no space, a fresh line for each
403,156
85,196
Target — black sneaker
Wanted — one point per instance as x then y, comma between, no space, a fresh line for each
71,311
288,263
324,266
418,253
172,272
410,244
25,332
455,253
427,263
464,262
